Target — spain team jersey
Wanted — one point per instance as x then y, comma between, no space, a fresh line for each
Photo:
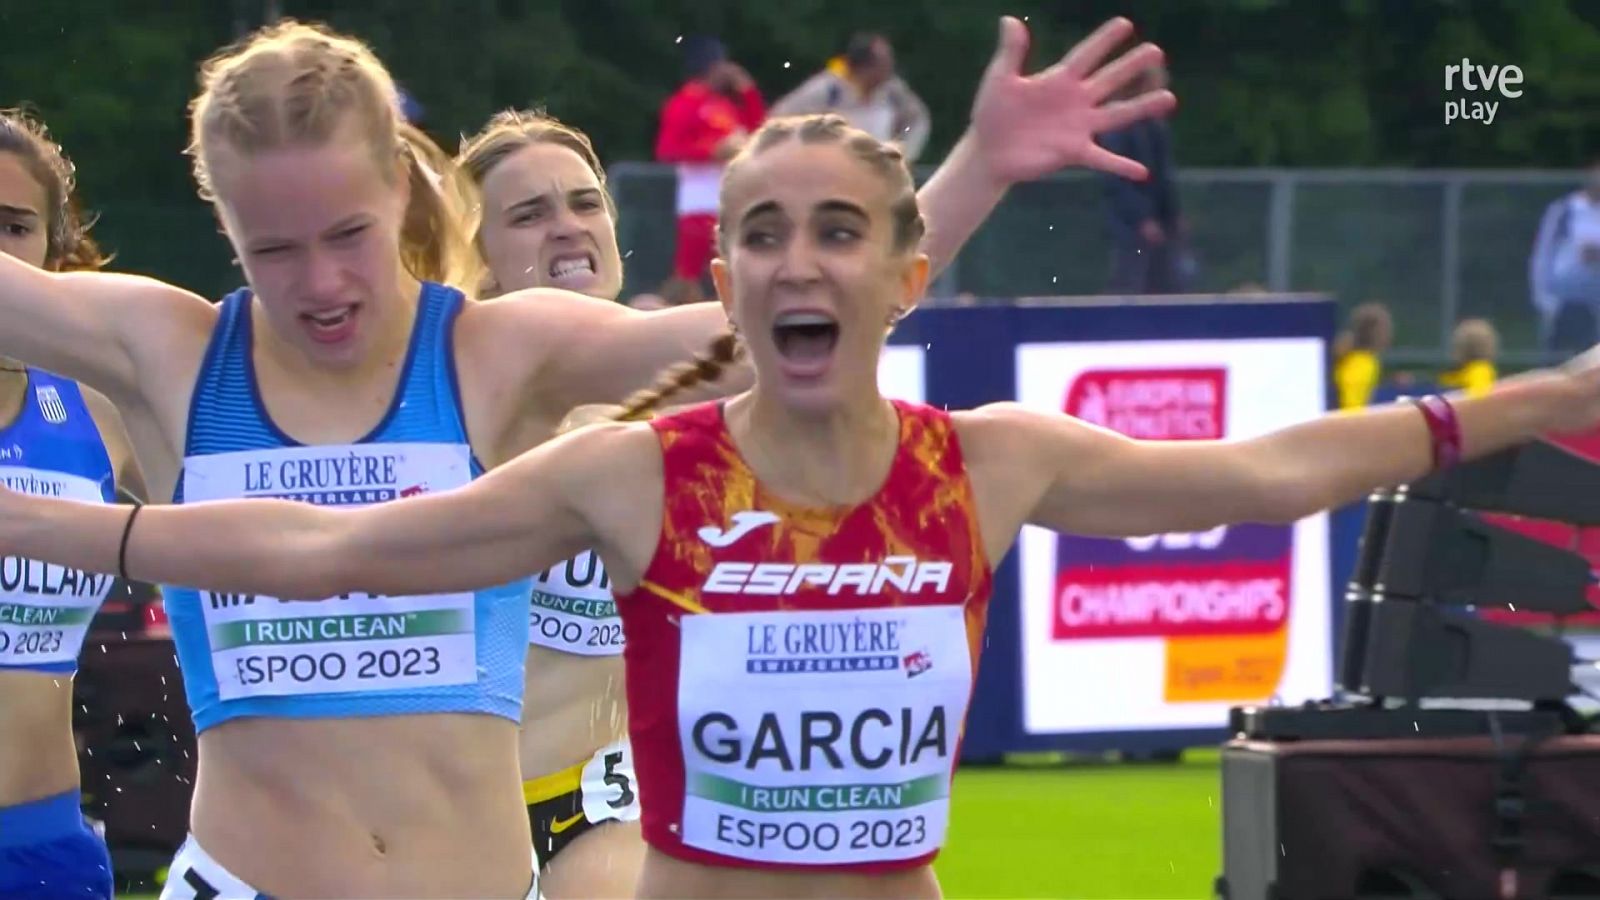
797,677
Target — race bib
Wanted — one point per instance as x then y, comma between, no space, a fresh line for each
263,646
821,738
45,609
610,787
572,609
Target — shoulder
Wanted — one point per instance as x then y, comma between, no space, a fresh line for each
169,327
168,303
530,323
602,457
606,466
689,93
1356,364
607,446
996,434
1364,364
823,79
539,308
899,88
1012,435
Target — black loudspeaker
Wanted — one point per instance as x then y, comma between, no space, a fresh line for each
1492,818
136,746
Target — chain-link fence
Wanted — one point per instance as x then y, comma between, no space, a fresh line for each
1436,246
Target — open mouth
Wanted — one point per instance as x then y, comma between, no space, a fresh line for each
571,269
331,325
805,340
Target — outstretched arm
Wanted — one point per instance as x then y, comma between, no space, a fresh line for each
92,327
520,518
1027,126
596,351
1086,480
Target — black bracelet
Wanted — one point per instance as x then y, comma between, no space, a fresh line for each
122,551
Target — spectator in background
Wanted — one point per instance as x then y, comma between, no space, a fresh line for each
1475,345
1358,354
1564,270
862,87
702,126
1148,254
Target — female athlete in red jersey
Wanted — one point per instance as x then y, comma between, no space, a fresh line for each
549,221
802,569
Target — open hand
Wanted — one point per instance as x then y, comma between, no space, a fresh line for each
1028,126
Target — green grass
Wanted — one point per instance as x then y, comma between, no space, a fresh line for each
1086,830
1081,829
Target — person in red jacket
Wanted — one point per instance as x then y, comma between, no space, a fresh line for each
703,125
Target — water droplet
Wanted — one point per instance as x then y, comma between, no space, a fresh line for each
786,64
678,39
1053,279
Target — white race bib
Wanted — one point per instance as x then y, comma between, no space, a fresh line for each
45,609
572,609
263,646
821,738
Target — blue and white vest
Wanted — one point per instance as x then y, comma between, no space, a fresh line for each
360,655
52,449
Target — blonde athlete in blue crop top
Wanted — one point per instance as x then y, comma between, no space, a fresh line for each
368,746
